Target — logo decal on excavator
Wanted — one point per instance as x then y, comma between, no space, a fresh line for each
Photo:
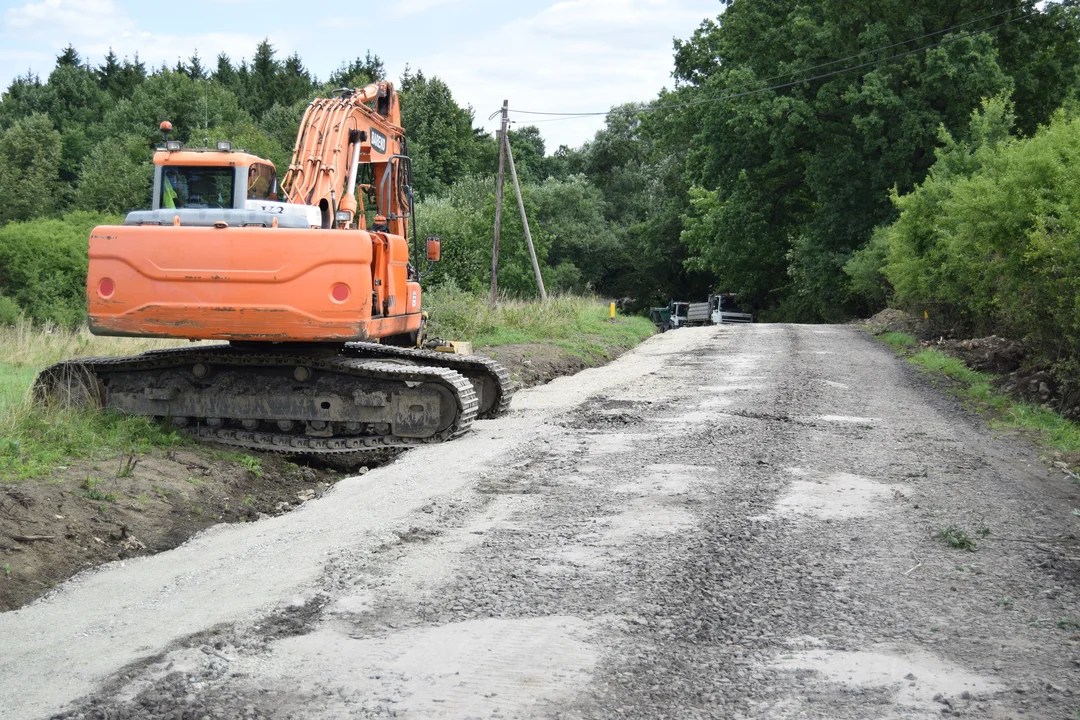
378,140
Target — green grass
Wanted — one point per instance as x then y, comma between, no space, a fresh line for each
34,440
252,464
897,340
90,489
14,383
578,324
976,389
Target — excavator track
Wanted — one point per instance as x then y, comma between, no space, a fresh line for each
490,379
428,403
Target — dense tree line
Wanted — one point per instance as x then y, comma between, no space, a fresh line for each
764,171
785,184
989,242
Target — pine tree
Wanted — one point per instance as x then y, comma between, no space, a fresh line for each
70,56
108,74
263,81
195,69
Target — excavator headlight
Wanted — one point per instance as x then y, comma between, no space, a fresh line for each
173,145
224,145
343,216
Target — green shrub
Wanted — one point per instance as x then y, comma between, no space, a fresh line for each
573,240
866,272
43,266
990,243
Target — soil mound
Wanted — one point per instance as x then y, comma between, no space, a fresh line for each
992,354
891,320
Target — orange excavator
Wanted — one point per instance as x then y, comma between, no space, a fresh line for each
310,281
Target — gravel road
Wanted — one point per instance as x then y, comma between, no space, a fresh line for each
733,522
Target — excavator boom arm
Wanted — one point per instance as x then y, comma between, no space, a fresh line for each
339,135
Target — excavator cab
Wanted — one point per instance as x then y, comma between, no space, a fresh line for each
209,179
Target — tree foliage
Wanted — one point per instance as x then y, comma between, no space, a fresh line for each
990,242
804,159
442,142
30,169
795,175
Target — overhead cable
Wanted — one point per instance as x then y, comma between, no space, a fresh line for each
799,81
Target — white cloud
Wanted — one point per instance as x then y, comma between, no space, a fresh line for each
96,26
403,8
577,55
74,19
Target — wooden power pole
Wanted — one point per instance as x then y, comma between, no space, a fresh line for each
503,144
521,209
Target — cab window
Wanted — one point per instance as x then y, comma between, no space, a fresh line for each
197,187
262,182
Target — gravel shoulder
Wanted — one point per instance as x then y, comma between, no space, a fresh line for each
97,510
725,522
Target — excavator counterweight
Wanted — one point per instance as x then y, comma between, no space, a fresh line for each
311,283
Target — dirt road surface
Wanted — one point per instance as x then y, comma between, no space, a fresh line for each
733,522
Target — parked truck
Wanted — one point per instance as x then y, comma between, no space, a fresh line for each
723,309
719,309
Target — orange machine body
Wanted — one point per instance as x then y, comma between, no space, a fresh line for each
251,284
229,270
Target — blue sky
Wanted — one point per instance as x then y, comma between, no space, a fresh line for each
572,55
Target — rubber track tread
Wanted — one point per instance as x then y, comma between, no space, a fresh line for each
281,442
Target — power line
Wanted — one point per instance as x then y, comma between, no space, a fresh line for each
792,83
825,64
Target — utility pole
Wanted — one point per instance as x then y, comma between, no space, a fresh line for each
503,145
524,219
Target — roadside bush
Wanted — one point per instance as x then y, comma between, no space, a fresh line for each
990,243
866,270
909,261
43,266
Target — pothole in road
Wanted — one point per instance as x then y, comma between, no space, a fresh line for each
468,669
646,516
294,619
614,443
737,383
666,480
840,496
598,417
690,418
851,419
717,401
921,684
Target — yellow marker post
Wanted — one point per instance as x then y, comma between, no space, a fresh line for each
612,312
